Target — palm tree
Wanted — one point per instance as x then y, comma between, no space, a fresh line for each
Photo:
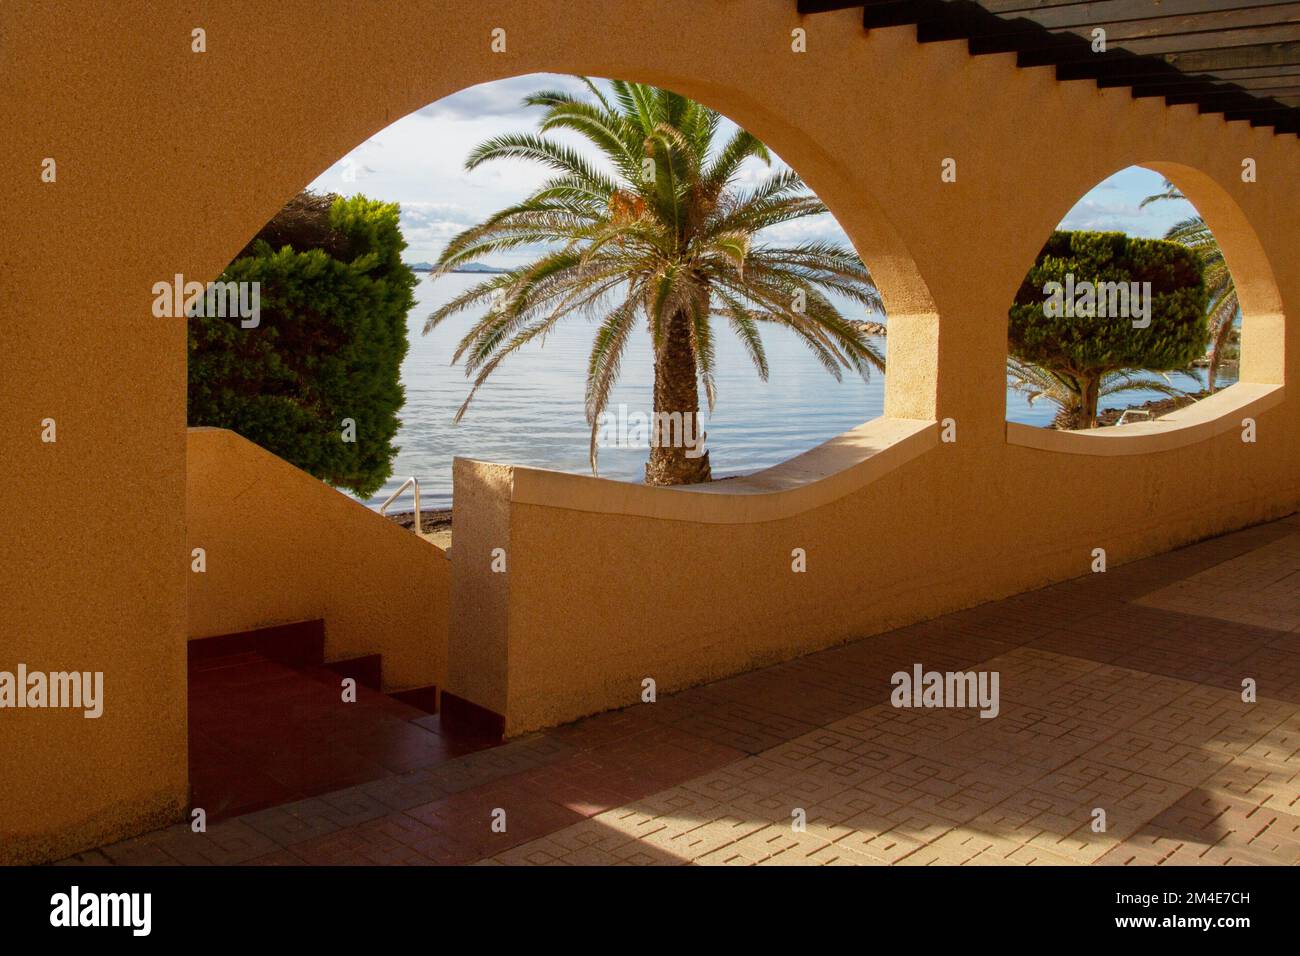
1035,382
1223,305
666,236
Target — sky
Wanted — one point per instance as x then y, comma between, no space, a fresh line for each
418,161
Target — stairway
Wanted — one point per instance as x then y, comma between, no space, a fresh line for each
268,724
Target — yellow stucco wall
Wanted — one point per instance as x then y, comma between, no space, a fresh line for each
609,584
169,160
280,546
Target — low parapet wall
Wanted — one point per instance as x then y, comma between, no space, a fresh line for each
605,584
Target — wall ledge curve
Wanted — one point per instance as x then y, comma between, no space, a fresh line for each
819,476
1219,413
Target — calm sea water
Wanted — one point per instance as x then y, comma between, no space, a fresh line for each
531,411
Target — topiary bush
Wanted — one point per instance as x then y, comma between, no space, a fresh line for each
1081,349
334,296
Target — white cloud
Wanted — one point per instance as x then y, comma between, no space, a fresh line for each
350,170
1115,205
503,98
1102,214
419,160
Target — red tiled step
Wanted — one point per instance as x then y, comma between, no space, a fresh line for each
300,644
263,732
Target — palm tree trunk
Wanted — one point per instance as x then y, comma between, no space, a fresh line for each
677,413
1090,398
1221,337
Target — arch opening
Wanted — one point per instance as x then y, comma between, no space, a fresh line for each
515,421
1152,295
823,411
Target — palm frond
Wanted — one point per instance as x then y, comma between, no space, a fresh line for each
679,249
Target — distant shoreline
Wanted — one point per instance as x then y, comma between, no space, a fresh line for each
472,270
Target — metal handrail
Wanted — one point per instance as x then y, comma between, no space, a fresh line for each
1134,412
413,483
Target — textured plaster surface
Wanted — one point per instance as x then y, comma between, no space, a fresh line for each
169,160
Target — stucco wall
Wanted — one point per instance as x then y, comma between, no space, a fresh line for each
169,160
280,546
608,584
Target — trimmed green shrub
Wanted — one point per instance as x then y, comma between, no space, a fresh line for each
329,345
1163,326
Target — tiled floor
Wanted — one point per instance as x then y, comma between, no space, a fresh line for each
263,734
1121,695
